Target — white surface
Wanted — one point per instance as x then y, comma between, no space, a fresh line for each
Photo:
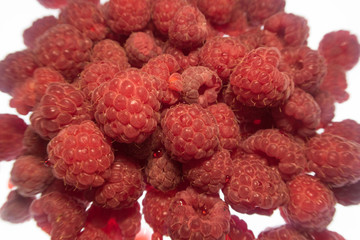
323,16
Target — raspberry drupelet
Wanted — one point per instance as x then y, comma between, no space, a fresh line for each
37,28
16,208
218,12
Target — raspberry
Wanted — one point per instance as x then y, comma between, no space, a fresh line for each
335,160
184,60
259,10
327,235
84,148
348,194
280,150
210,174
340,48
347,128
335,83
218,12
109,50
255,187
198,216
311,206
16,208
61,105
299,115
188,28
257,81
284,232
127,106
326,103
30,175
306,67
126,16
229,132
34,144
37,28
63,48
12,129
124,186
92,233
200,85
290,28
190,132
86,17
59,215
53,3
15,69
239,230
162,172
140,47
222,55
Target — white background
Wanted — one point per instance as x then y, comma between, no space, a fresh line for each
323,16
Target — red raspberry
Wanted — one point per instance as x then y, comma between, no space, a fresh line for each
184,60
255,188
188,28
259,10
12,129
92,233
30,175
34,144
257,81
15,69
140,47
37,28
348,194
124,186
190,132
290,28
335,160
58,215
63,48
61,105
86,17
229,132
210,174
239,230
327,235
335,83
16,208
84,148
306,67
127,106
53,3
222,54
326,103
218,12
126,16
299,115
109,50
198,216
163,12
284,232
340,48
280,150
347,128
311,206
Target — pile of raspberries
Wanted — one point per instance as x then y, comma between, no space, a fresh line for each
199,105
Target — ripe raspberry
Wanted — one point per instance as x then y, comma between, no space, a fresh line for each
30,175
63,48
257,81
37,28
127,106
327,235
326,103
311,206
12,129
306,67
15,69
229,132
340,48
61,105
259,10
299,115
59,215
218,12
348,194
190,132
126,16
185,60
188,28
109,50
335,83
16,208
239,230
34,144
198,216
284,232
347,128
210,174
86,17
92,233
335,160
222,54
124,186
290,28
140,47
84,148
53,3
255,187
280,150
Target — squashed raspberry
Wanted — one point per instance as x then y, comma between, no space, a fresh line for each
239,230
259,10
335,83
218,12
284,232
110,50
16,208
37,28
347,128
